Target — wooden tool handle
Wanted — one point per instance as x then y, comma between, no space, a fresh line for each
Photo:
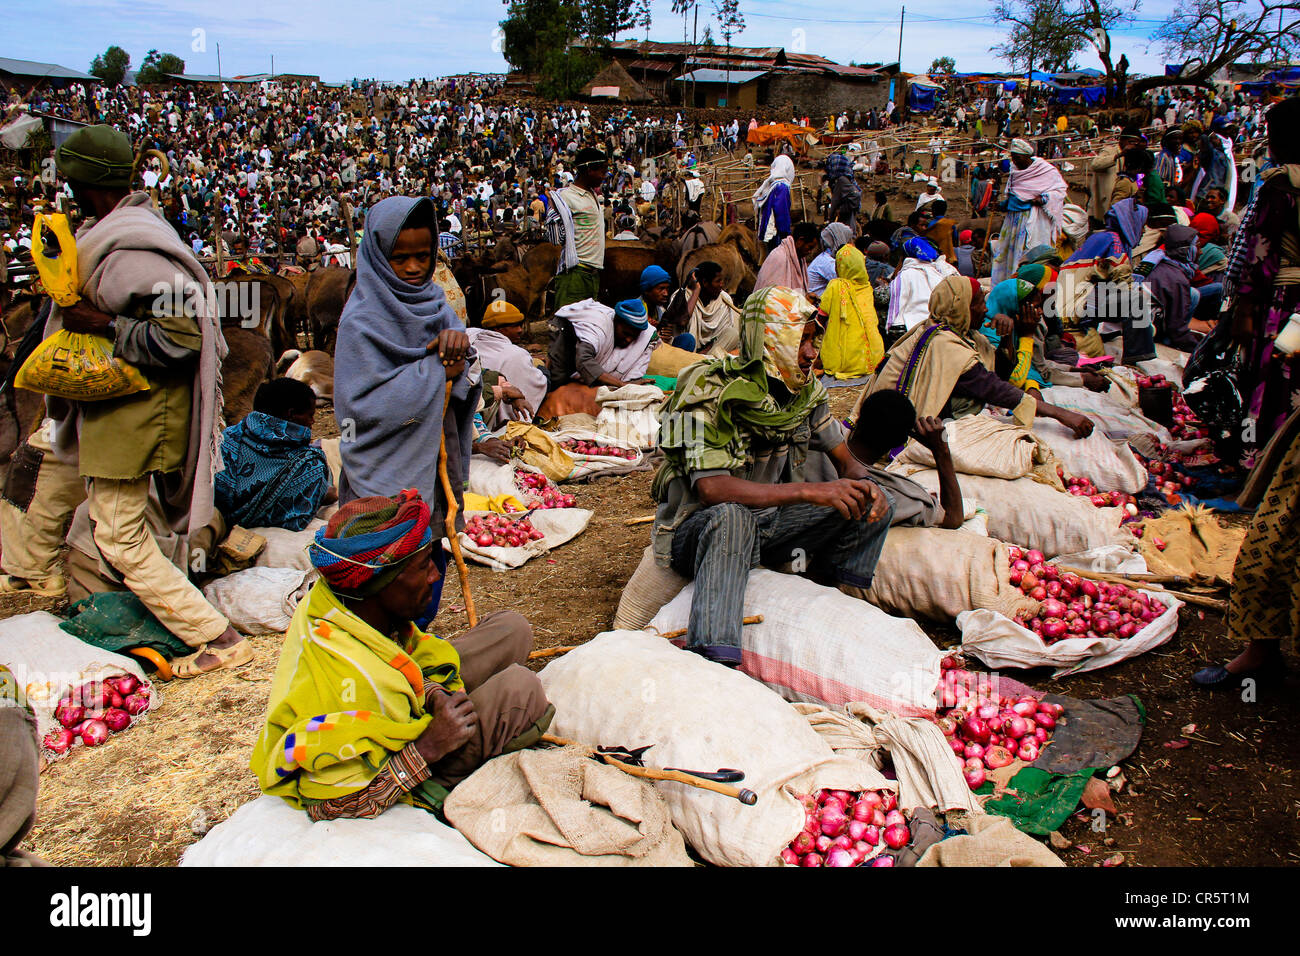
552,652
452,511
747,797
670,635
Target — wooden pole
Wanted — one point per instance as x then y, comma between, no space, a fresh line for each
452,511
352,236
217,222
671,635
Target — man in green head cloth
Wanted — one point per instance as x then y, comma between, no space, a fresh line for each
141,288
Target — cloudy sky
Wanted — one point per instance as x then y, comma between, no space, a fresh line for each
398,39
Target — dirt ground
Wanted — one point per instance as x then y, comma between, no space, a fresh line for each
1229,797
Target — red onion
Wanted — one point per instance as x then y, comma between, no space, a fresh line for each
811,859
975,777
997,757
125,684
986,712
1054,629
1088,588
833,820
897,836
1016,727
69,714
803,843
839,857
883,860
974,750
872,835
877,817
975,729
888,800
59,741
789,857
824,844
117,719
94,733
857,829
1028,751
1040,734
1025,707
1034,556
1045,720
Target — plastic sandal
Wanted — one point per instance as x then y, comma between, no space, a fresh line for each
234,656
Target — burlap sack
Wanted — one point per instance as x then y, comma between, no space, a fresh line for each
669,361
992,841
1109,463
561,808
541,450
649,589
936,573
1197,545
979,445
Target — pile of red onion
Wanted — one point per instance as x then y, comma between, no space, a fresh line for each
1186,425
1084,488
579,447
539,492
93,711
501,532
848,829
1072,606
987,731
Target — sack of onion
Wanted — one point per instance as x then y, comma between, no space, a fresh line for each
986,729
843,828
1079,625
508,541
93,711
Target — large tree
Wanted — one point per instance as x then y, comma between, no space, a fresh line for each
1052,32
157,66
943,65
606,19
1208,35
111,65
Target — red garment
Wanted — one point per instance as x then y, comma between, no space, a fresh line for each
1206,226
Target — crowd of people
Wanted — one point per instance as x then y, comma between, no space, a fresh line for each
755,470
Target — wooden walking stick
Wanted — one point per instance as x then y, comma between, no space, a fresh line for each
452,511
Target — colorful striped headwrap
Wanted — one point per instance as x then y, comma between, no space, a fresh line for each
369,540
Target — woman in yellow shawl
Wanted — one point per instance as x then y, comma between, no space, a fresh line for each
946,368
852,346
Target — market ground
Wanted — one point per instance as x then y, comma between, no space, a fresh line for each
1227,797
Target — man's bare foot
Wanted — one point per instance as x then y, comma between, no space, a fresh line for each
1257,654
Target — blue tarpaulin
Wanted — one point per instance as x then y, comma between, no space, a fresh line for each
921,99
1088,95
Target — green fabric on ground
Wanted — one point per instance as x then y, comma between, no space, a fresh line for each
1042,801
118,621
664,383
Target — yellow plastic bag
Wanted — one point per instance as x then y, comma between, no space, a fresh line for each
58,275
501,504
79,366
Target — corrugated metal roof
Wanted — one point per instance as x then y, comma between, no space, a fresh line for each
736,63
653,66
654,48
737,77
35,68
206,78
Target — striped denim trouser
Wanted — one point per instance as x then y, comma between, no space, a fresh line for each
718,546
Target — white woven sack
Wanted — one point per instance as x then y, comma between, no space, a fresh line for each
287,549
597,466
48,662
557,526
269,832
632,688
1109,411
1001,642
1107,462
817,645
630,415
649,589
260,600
1034,515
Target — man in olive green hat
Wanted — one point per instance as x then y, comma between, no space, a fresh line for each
163,440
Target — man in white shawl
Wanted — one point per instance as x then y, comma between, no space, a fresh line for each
909,291
513,387
165,439
594,345
702,309
1035,205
